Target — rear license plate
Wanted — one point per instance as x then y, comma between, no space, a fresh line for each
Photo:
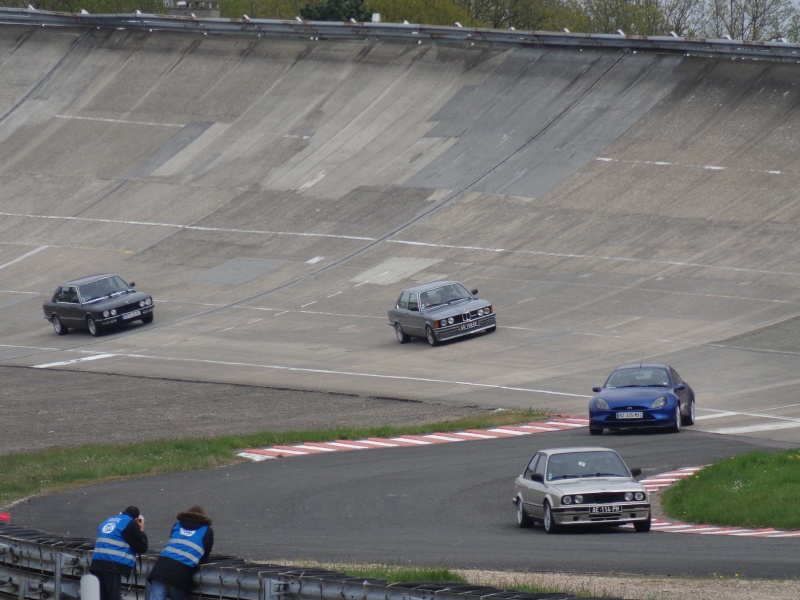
629,415
132,315
469,325
611,508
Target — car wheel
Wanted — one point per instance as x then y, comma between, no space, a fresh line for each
430,335
93,327
549,523
401,335
595,430
59,327
689,419
147,319
642,526
523,520
676,426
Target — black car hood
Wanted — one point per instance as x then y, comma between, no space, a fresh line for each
117,301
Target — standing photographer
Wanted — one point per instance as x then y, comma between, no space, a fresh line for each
119,540
190,543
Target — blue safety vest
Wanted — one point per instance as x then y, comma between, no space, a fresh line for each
110,544
185,545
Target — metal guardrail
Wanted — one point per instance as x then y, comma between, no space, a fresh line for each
408,33
35,565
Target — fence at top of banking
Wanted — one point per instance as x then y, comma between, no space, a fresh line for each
412,33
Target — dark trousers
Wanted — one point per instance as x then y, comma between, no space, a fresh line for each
110,585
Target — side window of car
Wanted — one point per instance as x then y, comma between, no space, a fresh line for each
531,466
413,303
676,379
73,295
540,464
402,301
61,295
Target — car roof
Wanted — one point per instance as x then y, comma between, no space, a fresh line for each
553,451
424,287
87,279
643,366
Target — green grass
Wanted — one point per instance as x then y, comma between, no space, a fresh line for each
28,474
413,574
759,489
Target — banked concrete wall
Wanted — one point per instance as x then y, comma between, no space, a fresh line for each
183,152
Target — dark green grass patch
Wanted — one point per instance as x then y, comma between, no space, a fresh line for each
759,489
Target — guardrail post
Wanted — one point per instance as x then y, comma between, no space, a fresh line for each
23,589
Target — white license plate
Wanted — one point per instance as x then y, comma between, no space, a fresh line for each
132,315
469,325
611,508
629,415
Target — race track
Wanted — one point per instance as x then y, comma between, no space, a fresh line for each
274,196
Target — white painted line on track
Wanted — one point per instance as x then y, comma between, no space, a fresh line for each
24,256
121,121
73,361
411,243
755,428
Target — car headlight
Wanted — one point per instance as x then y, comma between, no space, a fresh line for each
566,500
578,499
113,312
450,320
149,301
639,496
628,496
105,313
601,404
659,402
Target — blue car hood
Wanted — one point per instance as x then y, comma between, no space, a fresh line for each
639,395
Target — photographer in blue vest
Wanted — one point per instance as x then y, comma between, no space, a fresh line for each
119,540
190,544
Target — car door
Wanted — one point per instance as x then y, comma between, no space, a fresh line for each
69,309
408,314
683,394
531,485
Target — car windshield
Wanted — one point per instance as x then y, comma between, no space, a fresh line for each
575,465
640,377
446,294
108,287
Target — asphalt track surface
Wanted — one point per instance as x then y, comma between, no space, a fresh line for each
275,196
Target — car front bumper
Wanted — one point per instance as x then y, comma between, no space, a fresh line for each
124,317
468,328
583,515
607,419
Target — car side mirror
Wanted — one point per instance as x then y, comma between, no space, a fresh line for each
636,472
132,284
474,292
596,389
537,477
680,386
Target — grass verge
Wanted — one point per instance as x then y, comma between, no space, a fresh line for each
758,489
28,474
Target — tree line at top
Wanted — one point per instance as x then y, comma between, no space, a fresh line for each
754,20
